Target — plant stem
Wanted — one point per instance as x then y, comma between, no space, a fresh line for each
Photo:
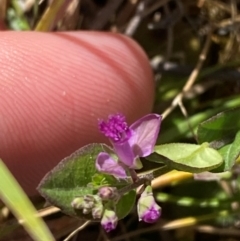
161,171
133,175
132,186
142,179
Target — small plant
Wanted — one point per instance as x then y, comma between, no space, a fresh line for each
100,183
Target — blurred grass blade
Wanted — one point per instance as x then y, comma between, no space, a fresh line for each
191,221
14,197
52,14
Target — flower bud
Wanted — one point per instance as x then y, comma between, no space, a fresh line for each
148,210
89,201
97,211
109,220
89,198
88,205
77,203
107,193
86,210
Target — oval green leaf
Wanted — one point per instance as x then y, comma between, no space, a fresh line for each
219,127
189,157
70,179
231,152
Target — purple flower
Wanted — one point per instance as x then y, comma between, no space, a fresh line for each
148,210
109,220
129,143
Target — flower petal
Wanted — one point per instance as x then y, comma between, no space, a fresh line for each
145,133
106,164
151,215
124,152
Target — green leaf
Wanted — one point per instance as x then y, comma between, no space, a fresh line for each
219,127
189,157
231,152
17,201
76,175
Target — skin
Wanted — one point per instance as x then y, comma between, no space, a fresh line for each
53,89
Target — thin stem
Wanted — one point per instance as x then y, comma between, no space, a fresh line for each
134,175
192,78
144,179
161,171
77,230
136,184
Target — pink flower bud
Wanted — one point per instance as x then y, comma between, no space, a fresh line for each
109,220
107,193
148,209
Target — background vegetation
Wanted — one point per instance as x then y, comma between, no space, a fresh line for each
194,50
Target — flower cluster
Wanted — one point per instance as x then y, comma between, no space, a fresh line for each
129,143
89,204
100,206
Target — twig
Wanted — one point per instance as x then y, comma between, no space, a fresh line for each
192,78
76,231
154,7
219,231
136,19
44,212
233,16
48,211
184,112
105,14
